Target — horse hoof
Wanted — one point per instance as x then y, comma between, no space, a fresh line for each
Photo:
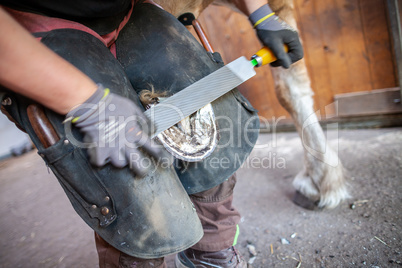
304,202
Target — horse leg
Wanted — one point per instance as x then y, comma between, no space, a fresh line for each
322,179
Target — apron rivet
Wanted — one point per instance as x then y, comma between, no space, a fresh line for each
104,211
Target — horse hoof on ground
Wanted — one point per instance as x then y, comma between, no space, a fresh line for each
304,202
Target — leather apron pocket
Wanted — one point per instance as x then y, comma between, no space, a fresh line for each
82,186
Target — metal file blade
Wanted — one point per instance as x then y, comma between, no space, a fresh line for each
197,95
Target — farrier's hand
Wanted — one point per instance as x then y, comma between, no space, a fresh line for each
275,33
116,130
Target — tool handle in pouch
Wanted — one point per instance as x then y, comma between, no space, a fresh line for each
264,56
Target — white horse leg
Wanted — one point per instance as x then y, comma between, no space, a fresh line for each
322,180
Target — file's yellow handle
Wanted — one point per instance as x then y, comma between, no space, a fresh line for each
265,56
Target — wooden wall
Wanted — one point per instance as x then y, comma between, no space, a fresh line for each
346,42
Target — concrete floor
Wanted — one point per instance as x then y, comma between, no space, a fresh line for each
16,139
39,228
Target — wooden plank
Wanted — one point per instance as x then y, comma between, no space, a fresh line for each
353,48
311,33
394,10
344,45
328,16
399,60
374,21
375,102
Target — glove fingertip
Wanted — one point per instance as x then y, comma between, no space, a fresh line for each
295,56
95,159
286,65
168,156
98,163
136,162
119,163
283,58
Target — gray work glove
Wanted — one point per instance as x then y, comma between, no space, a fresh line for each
275,33
116,130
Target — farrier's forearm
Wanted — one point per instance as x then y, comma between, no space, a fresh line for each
249,6
31,69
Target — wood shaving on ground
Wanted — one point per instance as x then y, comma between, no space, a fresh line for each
381,241
299,261
358,203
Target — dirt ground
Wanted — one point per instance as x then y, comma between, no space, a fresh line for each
38,227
